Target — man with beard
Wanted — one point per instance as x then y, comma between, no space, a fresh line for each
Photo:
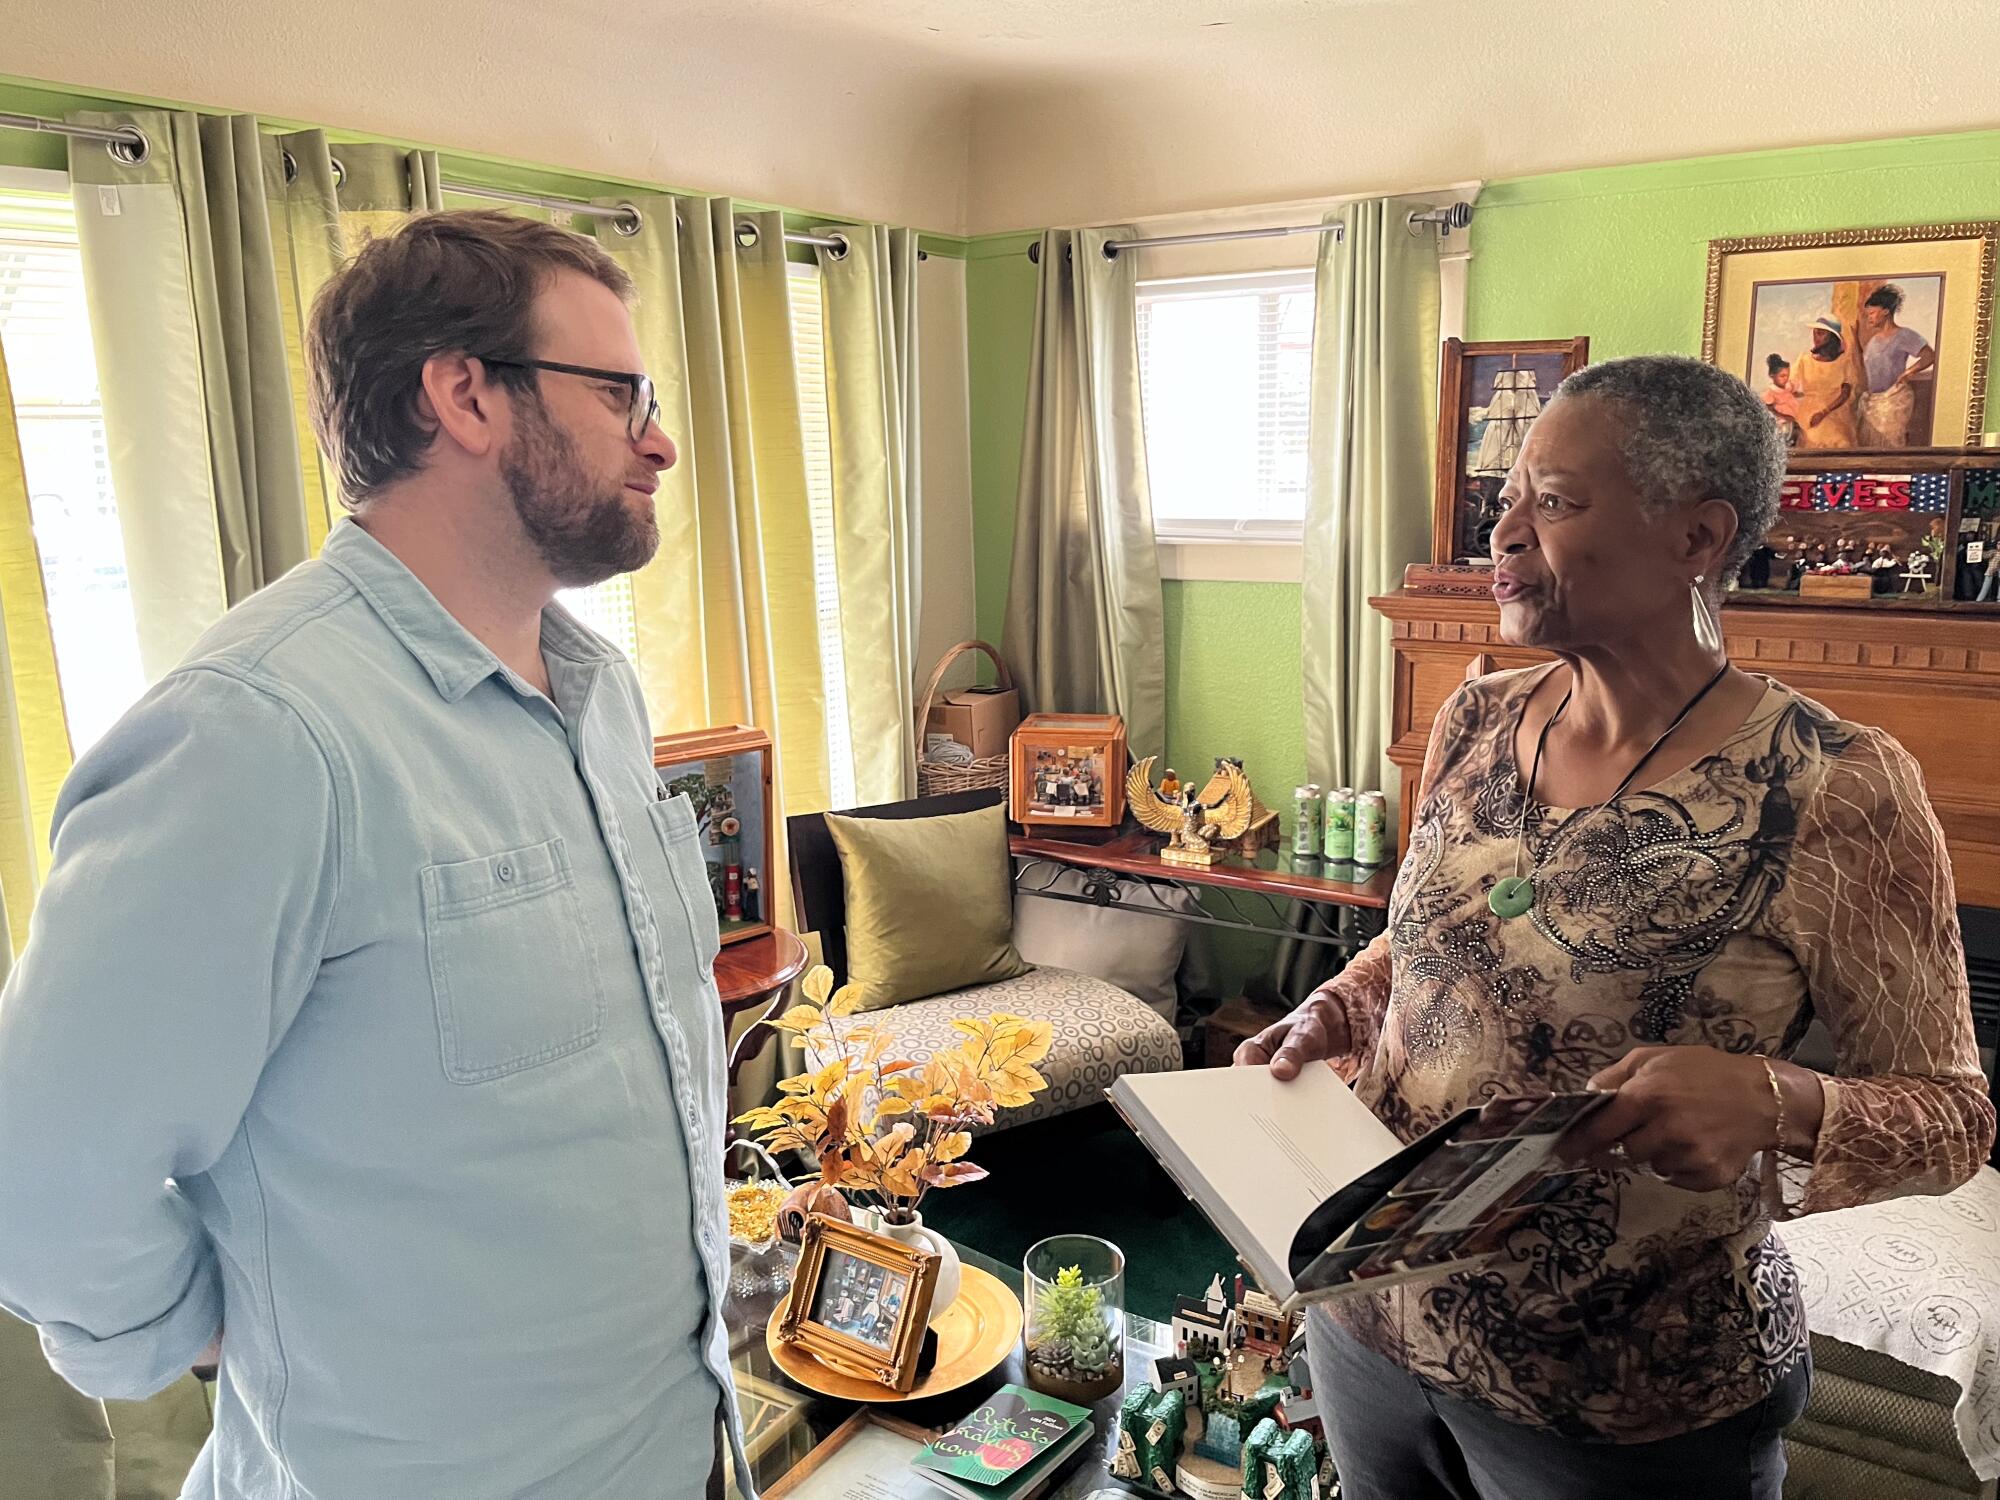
367,1023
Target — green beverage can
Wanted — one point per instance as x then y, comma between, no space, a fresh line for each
1371,829
1305,821
1339,841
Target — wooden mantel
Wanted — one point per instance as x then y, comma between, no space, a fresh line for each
1932,679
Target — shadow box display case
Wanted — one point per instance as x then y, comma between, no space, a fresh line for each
726,774
1068,771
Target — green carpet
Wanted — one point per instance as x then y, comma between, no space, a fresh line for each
1085,1173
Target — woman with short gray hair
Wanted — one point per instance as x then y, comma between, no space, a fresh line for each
1640,870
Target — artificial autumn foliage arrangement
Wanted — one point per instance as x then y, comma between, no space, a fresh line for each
885,1129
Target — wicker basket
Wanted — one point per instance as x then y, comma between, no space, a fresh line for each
935,780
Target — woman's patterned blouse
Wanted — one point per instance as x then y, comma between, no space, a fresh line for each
1796,872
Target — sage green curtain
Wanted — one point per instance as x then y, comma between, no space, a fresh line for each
307,248
726,614
869,301
323,207
1368,510
178,263
1371,454
55,1442
34,731
1084,617
205,257
58,1444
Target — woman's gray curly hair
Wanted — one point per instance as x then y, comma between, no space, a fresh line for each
1693,432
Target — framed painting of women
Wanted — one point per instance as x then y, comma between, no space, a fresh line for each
1859,340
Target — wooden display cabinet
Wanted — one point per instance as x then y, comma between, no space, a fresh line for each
1929,677
1068,771
726,774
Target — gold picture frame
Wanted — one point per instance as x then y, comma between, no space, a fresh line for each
868,1454
1793,315
860,1302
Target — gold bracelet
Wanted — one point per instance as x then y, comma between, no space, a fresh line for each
1778,1096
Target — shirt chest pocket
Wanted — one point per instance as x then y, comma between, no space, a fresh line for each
515,982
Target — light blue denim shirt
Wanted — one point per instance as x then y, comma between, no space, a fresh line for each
369,1014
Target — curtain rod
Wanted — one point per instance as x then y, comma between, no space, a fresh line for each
131,145
627,220
127,143
625,217
1452,216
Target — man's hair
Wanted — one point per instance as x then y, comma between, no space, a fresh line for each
1888,297
1692,432
443,283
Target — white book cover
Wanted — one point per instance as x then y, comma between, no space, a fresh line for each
1255,1154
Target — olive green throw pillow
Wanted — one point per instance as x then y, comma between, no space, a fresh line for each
930,905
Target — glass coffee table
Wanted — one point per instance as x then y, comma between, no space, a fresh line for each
784,1423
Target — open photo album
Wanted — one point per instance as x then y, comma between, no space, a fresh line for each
1319,1198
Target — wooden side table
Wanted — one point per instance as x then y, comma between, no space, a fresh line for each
756,972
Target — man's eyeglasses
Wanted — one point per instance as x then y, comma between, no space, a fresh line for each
645,405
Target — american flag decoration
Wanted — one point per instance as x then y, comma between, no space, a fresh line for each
1920,494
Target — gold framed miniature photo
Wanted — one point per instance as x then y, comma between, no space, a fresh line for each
860,1302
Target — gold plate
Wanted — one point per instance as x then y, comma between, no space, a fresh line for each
975,1335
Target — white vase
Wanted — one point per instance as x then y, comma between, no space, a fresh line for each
915,1235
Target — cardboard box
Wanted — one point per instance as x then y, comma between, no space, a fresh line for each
980,718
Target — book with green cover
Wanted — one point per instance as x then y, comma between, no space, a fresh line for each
1010,1444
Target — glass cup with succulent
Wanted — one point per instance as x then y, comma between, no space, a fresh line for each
1075,1287
886,1130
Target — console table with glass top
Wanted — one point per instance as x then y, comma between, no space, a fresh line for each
784,1424
1279,894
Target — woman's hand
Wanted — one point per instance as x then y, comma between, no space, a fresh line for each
1315,1031
1693,1116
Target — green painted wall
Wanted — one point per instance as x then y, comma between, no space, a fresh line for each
1233,682
1621,254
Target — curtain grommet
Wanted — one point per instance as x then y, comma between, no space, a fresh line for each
1035,253
628,221
291,165
339,173
133,150
840,247
747,235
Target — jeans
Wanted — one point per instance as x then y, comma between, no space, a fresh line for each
1394,1438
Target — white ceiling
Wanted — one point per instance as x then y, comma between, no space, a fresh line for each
990,38
987,115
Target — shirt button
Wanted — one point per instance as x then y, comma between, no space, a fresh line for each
506,872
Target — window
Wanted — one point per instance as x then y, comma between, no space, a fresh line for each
607,608
1226,371
809,357
45,332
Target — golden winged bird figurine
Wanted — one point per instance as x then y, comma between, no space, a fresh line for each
1196,826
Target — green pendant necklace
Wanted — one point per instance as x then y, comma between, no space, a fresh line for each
1514,895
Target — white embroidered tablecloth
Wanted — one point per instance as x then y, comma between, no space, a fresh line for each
1917,1279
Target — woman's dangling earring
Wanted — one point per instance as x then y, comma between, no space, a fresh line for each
1707,629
